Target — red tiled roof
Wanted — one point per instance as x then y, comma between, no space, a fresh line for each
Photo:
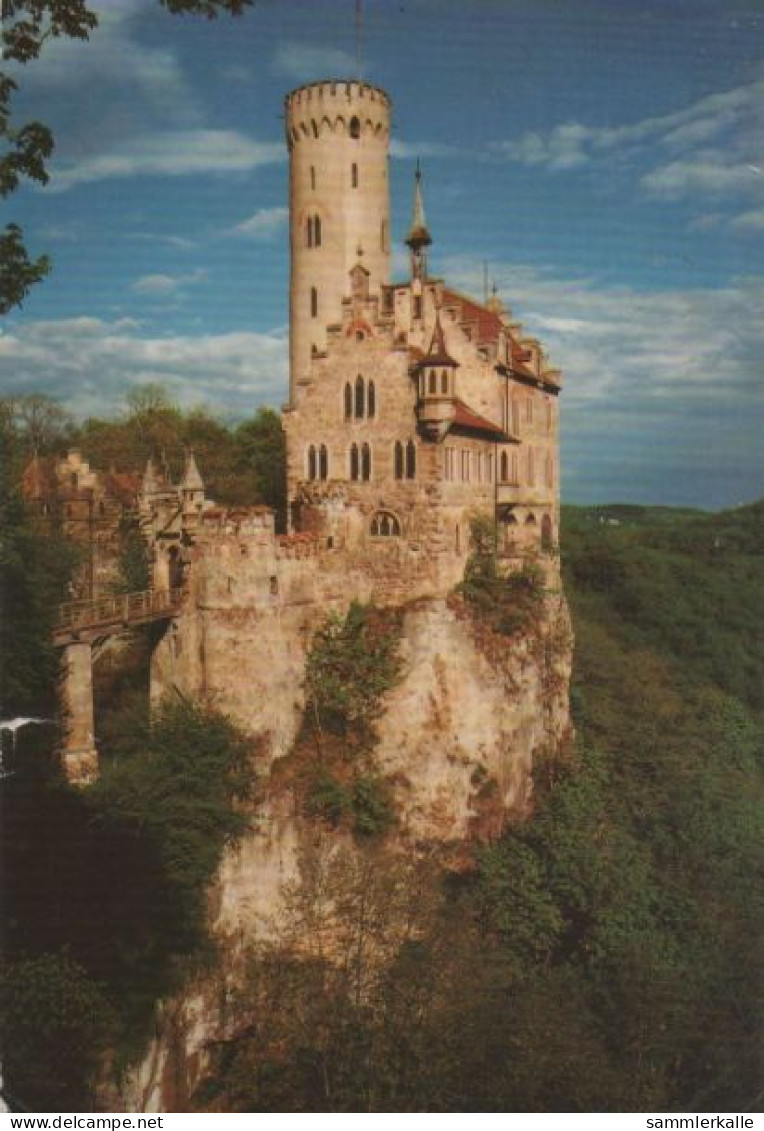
489,325
465,417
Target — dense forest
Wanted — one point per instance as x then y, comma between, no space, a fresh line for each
602,956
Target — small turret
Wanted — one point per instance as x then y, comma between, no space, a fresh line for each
192,491
436,376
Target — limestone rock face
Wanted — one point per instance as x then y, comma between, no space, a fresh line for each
457,741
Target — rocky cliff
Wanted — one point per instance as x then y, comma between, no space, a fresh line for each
455,743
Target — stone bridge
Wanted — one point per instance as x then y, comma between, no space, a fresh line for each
83,626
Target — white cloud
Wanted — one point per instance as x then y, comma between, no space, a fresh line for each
306,62
89,365
710,173
573,143
175,153
713,146
263,224
412,149
750,221
165,286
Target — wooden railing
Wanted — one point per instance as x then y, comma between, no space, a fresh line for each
125,609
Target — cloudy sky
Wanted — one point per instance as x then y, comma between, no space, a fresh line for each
605,158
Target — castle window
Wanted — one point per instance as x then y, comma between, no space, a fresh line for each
309,231
465,467
348,401
398,460
371,400
458,539
354,175
385,525
354,464
444,383
516,417
313,302
365,462
433,384
531,468
479,467
410,460
530,520
388,298
417,306
359,397
323,462
312,464
317,231
313,177
489,463
504,467
448,468
355,128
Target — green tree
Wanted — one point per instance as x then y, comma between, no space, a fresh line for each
54,1026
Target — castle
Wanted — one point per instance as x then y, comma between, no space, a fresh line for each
412,407
413,410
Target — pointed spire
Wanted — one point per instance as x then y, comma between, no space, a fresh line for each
418,236
438,353
192,480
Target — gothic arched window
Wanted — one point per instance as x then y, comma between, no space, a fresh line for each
354,465
348,401
312,464
398,460
410,460
355,128
531,468
385,525
365,462
359,396
371,400
323,462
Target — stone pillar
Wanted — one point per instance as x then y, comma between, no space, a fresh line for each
80,754
161,572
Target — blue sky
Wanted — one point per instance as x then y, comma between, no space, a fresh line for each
605,158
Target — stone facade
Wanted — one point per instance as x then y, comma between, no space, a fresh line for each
412,407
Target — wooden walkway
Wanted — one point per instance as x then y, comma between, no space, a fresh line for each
89,620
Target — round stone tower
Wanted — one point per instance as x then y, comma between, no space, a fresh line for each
338,134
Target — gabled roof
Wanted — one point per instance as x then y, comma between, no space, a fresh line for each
468,420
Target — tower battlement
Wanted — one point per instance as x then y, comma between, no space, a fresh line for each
329,106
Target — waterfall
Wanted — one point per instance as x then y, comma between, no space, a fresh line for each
13,726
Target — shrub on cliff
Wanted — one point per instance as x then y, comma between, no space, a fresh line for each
352,663
181,789
507,603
